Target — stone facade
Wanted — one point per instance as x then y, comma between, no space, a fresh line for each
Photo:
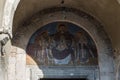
13,56
16,64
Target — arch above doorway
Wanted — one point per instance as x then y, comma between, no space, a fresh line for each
88,23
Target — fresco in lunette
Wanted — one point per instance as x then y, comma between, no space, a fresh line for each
62,43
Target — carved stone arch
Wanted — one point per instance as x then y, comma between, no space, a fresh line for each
7,18
5,37
87,22
8,14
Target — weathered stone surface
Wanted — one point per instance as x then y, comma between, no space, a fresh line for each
91,73
20,65
11,63
2,68
16,64
105,10
95,30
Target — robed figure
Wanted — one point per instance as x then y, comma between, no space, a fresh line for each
83,50
62,50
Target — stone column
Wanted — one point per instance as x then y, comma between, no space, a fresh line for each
106,65
11,62
2,68
20,64
16,64
4,50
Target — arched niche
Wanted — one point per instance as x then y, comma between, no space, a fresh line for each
8,14
79,18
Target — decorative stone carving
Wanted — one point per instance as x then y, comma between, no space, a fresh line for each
8,13
4,38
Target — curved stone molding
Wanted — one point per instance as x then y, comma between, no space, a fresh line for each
8,13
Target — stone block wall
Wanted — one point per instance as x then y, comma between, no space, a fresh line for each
16,64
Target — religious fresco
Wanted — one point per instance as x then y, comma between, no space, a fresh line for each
62,43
